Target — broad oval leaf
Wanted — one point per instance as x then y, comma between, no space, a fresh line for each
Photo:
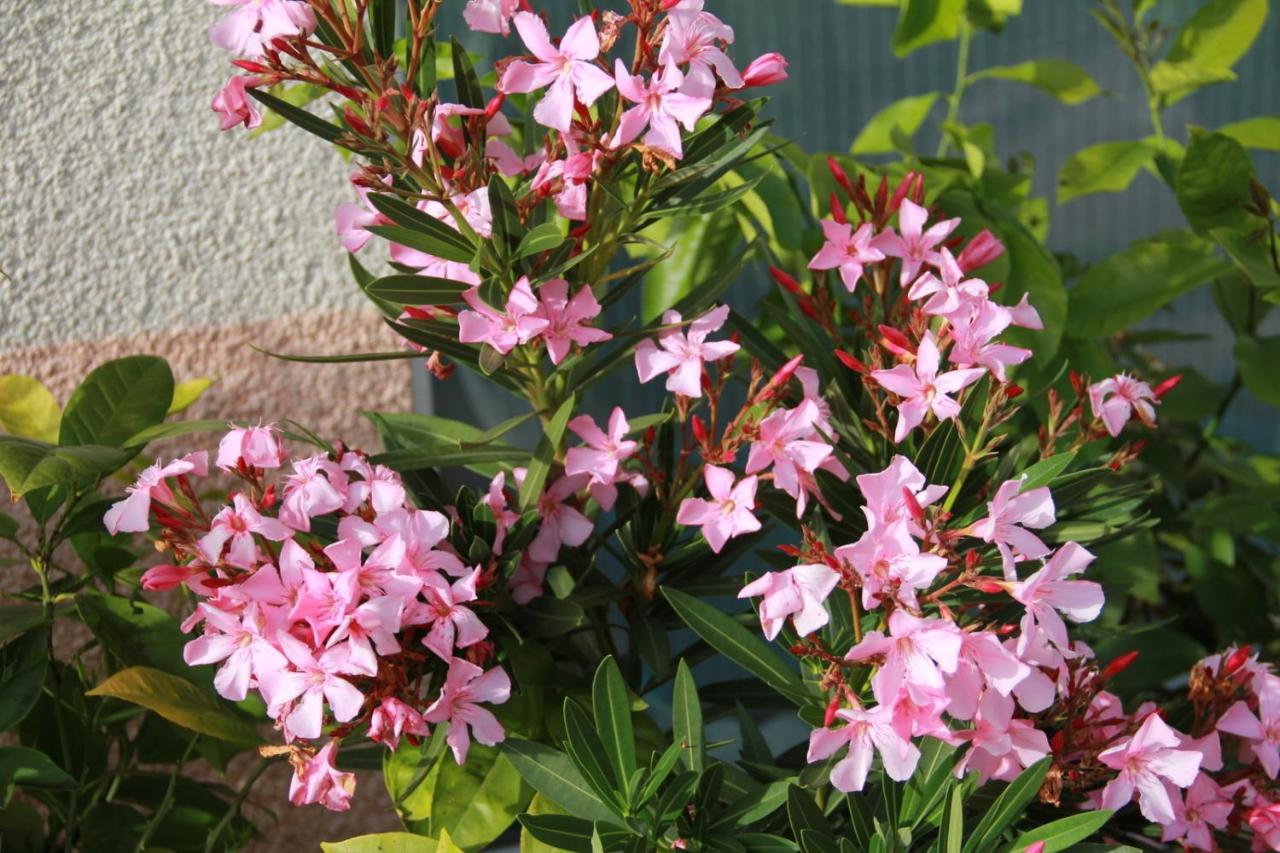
924,22
1262,133
178,701
1107,167
1215,38
28,409
27,465
117,400
1258,359
30,768
1213,182
387,842
1064,80
903,117
23,666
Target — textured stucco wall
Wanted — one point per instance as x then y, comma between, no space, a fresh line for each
124,208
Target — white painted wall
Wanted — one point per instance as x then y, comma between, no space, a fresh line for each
124,208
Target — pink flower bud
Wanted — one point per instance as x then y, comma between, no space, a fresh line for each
1119,665
766,70
1166,386
982,250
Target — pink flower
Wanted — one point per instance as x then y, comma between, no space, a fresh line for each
915,246
521,323
132,514
952,295
1264,820
891,566
884,491
923,389
1117,399
696,38
1048,592
681,357
353,219
503,517
393,719
319,781
974,332
602,455
568,320
312,682
237,524
765,70
660,106
798,592
372,625
916,654
1010,513
464,688
256,447
256,23
1144,762
317,486
1260,731
846,250
727,514
234,106
165,576
1000,746
238,643
452,625
983,663
561,524
527,582
866,732
568,70
490,16
1205,808
786,442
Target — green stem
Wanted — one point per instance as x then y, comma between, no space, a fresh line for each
166,804
972,454
1211,428
211,843
962,84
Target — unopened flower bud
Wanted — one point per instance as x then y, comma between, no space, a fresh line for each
982,250
850,362
832,707
901,192
1166,386
765,70
1118,665
913,506
837,210
1237,659
1012,391
495,104
894,341
841,176
785,281
699,429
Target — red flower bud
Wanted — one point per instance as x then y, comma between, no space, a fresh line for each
785,281
989,587
1012,391
830,716
765,70
913,506
894,341
1078,383
699,429
917,190
650,436
782,377
1166,386
850,362
1238,659
901,192
384,101
251,66
1058,741
268,497
355,122
882,199
495,104
982,250
837,210
841,176
1118,665
789,550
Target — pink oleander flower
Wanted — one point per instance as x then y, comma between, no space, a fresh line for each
238,643
983,665
256,447
1010,513
1205,807
379,573
787,442
866,732
166,576
765,70
916,247
727,514
798,593
1049,592
393,719
560,523
464,688
696,38
681,356
1000,746
891,565
529,581
132,514
601,457
372,625
254,24
568,70
234,106
1119,398
923,389
568,320
503,517
884,492
950,295
353,219
975,332
296,697
916,653
1145,761
320,781
490,16
661,106
237,524
452,625
317,486
846,250
521,323
1260,731
1264,820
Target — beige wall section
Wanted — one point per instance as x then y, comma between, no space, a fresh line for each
124,208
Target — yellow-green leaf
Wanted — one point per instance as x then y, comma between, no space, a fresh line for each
904,116
1106,167
1262,133
1064,80
178,701
387,842
187,393
28,409
1216,37
924,22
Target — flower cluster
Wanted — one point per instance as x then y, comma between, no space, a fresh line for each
374,627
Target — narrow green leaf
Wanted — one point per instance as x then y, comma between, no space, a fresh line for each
1008,807
803,814
904,117
298,116
1105,167
1044,472
542,238
559,832
178,701
540,465
611,706
432,235
686,715
508,231
735,642
1064,80
584,747
382,22
553,775
418,459
416,290
1063,834
464,75
1262,133
951,833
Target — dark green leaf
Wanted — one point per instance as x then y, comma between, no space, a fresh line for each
28,768
560,832
424,231
296,115
923,22
417,290
686,716
27,465
464,75
1063,834
540,465
553,775
382,22
117,400
611,706
23,666
583,745
1213,182
1258,360
1008,807
803,814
